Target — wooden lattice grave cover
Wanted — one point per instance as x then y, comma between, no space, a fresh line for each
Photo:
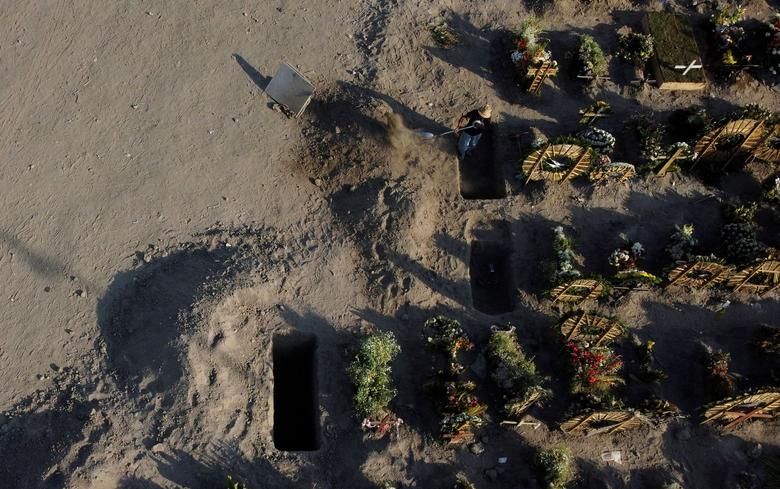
760,278
599,422
617,171
699,274
769,148
742,136
577,291
764,404
557,162
596,330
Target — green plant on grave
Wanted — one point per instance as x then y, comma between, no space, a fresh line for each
443,35
636,48
370,372
739,234
592,61
566,259
555,467
651,139
514,372
235,484
682,244
448,335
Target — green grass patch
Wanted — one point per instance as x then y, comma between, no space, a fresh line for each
675,45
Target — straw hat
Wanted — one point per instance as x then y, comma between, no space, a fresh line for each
486,111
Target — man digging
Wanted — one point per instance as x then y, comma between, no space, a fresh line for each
469,128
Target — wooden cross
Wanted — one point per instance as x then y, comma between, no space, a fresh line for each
692,66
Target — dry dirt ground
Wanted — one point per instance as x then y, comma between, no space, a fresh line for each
161,225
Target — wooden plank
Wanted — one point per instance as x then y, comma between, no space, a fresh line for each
675,156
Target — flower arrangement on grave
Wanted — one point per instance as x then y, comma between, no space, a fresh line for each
773,45
591,113
636,48
626,261
514,372
739,235
652,149
462,412
594,370
648,370
591,58
530,51
719,381
371,374
729,35
566,259
448,335
555,467
599,140
443,35
771,192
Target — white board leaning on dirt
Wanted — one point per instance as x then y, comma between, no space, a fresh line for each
290,88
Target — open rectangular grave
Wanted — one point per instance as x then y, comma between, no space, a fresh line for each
490,272
480,172
296,392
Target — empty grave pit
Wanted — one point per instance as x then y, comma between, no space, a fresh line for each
296,392
480,172
490,274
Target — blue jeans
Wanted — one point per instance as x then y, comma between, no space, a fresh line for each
467,143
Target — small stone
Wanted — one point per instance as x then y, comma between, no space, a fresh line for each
318,182
47,289
81,293
477,448
338,130
491,475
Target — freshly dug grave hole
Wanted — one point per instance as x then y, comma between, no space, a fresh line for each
296,403
480,172
490,271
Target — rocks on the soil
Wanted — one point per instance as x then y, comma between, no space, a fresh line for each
477,448
81,293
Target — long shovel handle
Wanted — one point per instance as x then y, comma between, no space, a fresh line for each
458,129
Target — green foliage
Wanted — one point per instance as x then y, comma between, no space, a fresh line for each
682,244
636,48
739,234
514,372
591,57
235,484
556,467
370,372
443,35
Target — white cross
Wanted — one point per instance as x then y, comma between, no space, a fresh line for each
692,66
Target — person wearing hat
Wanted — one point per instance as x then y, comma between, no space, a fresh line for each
469,129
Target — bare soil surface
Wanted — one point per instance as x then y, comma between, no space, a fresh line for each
167,240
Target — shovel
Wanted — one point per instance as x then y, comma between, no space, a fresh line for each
430,135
